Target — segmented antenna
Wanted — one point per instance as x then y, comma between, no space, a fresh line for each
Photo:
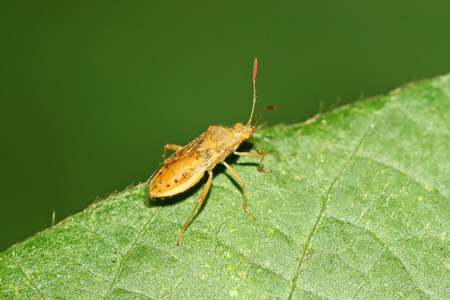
255,67
268,107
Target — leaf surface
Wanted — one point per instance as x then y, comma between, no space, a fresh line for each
357,206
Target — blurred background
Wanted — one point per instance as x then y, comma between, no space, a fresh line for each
90,92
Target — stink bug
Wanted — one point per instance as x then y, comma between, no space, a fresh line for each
188,164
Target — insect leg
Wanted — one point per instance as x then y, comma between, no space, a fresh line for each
262,153
200,199
171,147
259,149
258,155
241,182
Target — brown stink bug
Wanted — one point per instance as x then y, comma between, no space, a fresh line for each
188,164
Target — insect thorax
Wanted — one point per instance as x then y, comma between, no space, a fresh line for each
224,139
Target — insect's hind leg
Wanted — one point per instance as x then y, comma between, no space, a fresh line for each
200,199
241,182
171,147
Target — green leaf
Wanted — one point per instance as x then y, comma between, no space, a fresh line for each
357,206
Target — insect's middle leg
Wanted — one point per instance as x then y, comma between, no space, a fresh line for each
241,182
171,147
200,199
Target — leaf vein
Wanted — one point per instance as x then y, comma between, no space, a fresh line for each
123,258
33,284
324,205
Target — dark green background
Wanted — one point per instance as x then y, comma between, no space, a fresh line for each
91,92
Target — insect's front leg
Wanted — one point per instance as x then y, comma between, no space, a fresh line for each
257,155
241,182
259,149
171,147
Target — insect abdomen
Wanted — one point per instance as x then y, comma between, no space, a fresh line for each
174,178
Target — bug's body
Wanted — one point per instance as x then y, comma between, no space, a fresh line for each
188,164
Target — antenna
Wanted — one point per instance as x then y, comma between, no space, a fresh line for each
255,67
268,107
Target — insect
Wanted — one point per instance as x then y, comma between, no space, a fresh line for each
188,164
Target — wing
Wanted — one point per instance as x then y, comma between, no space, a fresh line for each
186,166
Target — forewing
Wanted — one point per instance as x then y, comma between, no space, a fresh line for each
189,161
